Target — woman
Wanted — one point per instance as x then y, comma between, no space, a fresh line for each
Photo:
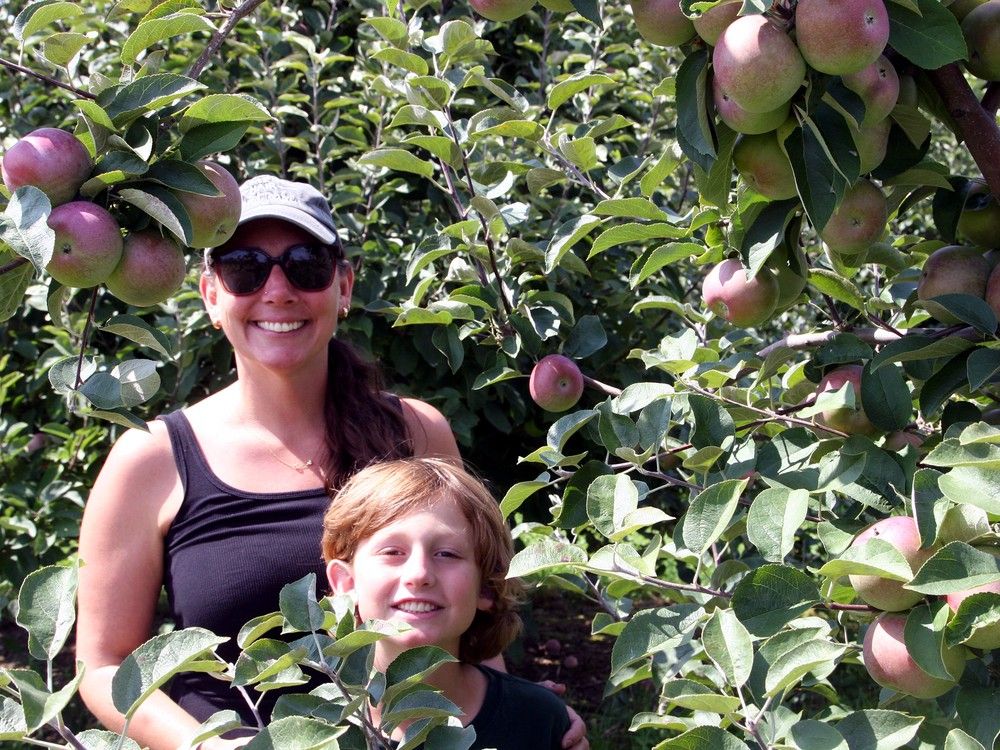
222,502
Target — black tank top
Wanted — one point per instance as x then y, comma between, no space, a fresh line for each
226,556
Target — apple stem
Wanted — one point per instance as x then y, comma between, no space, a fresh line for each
610,390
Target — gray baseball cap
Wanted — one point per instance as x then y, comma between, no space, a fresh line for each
298,203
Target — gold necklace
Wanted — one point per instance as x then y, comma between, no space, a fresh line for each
300,467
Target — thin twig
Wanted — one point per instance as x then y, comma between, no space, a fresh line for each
219,36
48,79
14,264
84,338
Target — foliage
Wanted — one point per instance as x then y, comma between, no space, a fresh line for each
555,184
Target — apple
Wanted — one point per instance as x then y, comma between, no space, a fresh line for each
986,638
979,222
88,244
908,93
712,22
884,593
501,10
900,439
662,22
50,159
762,163
841,36
993,290
981,28
889,662
557,6
742,301
213,218
556,383
742,121
878,86
757,64
953,269
960,8
852,421
152,268
858,221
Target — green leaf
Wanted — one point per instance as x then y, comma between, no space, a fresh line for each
959,740
548,555
877,729
914,347
811,734
138,330
697,697
46,609
709,514
796,664
775,516
974,485
632,208
875,557
413,665
713,425
664,255
518,493
40,15
59,49
836,286
156,30
966,308
162,206
694,133
979,613
24,226
939,387
12,723
146,94
651,631
983,365
40,705
567,235
955,567
658,172
402,59
397,159
156,661
13,285
219,109
886,397
771,596
183,176
704,738
253,629
297,733
205,140
929,39
268,661
565,90
297,602
923,636
817,180
730,647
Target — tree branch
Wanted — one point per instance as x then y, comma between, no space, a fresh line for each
219,36
13,265
976,125
48,79
991,99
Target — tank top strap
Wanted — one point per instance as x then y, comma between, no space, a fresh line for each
183,444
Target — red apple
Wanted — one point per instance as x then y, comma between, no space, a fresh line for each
50,159
884,593
556,383
841,36
986,638
953,269
662,22
852,421
213,218
88,244
742,301
152,268
889,662
858,220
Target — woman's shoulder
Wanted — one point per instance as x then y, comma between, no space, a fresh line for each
428,429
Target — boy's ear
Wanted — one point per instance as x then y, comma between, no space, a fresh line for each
485,600
340,577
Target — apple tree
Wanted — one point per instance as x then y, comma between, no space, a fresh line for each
763,234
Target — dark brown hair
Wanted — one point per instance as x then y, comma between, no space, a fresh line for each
384,492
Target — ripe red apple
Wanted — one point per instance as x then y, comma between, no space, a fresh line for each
152,268
757,64
979,222
889,662
841,36
898,440
760,161
878,86
858,221
662,22
88,244
50,159
872,142
742,301
213,218
712,22
852,421
993,290
981,28
986,638
556,383
501,10
884,593
742,121
953,269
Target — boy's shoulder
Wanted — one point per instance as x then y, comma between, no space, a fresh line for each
517,713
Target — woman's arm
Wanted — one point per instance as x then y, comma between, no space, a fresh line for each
121,548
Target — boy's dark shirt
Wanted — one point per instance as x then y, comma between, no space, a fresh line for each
518,715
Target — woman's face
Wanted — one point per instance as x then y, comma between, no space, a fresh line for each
279,325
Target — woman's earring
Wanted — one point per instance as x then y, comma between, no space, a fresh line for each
343,313
216,325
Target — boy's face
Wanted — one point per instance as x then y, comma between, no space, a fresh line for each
420,570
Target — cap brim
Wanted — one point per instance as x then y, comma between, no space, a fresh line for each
292,215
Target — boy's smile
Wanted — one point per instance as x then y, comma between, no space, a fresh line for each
420,570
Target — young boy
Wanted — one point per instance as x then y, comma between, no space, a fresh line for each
419,541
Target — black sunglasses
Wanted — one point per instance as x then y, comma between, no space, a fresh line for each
244,270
